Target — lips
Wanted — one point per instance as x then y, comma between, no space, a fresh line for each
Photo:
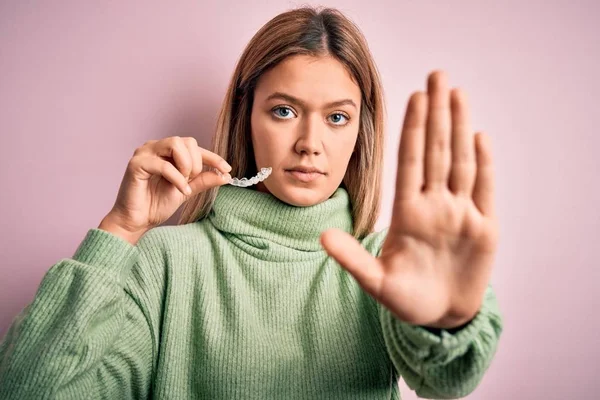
304,176
307,169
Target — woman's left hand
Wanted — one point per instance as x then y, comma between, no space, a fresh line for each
436,261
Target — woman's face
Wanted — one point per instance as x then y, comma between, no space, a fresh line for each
305,115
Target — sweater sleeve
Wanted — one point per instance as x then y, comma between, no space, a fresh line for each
84,335
444,365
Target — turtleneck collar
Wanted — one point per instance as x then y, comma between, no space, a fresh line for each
249,213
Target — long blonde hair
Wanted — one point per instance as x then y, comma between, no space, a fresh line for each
315,32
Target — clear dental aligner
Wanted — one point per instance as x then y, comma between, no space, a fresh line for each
244,182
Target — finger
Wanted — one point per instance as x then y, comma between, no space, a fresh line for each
214,160
157,166
175,148
207,180
437,152
196,156
409,177
354,258
483,193
464,165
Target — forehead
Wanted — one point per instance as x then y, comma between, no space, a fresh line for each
312,79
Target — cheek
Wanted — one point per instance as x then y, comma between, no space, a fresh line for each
259,133
267,139
342,148
271,136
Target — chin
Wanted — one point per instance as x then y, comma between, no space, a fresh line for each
299,196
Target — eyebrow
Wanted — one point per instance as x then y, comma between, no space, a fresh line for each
294,100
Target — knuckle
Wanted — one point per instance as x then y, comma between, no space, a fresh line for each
144,147
410,159
462,156
135,160
439,143
172,141
135,163
191,141
203,180
148,143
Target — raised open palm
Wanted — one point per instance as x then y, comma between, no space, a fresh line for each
437,257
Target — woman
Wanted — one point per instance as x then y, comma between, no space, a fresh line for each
246,297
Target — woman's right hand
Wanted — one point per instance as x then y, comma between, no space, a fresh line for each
161,175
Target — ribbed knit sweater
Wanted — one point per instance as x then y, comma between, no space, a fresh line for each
243,304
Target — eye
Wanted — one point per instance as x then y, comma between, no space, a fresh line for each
339,117
283,112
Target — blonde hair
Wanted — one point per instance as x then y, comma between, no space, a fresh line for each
315,32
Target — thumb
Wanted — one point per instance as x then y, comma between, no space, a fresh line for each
355,259
206,180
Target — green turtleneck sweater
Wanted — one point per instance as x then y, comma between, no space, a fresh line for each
243,304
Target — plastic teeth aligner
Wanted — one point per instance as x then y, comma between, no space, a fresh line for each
244,182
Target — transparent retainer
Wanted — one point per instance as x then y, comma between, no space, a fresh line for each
244,182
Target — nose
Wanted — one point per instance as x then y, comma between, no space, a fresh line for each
310,140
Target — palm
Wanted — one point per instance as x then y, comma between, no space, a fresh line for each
436,260
429,253
149,199
164,197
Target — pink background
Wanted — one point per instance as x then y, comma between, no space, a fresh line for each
82,85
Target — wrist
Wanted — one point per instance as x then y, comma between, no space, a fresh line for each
111,224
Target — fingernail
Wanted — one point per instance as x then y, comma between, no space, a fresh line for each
188,190
227,167
226,177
